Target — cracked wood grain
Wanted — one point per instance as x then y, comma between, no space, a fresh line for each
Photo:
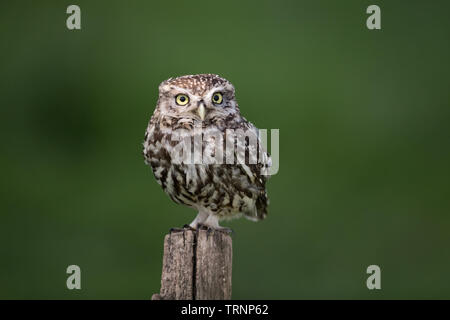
197,265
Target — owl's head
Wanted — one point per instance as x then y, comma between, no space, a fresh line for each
198,98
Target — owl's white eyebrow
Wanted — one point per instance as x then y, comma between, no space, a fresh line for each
169,92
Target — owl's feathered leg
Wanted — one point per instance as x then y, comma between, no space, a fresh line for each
201,217
212,223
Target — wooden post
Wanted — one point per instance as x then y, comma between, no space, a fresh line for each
196,266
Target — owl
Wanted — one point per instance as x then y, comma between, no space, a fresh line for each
219,177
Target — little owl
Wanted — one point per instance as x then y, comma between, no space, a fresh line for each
201,110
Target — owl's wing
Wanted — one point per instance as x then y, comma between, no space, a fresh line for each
257,151
256,164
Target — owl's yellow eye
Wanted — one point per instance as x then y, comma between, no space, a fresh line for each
182,99
217,98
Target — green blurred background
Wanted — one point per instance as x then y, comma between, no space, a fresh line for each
364,139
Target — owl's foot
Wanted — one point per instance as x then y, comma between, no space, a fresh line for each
199,219
210,229
208,222
185,228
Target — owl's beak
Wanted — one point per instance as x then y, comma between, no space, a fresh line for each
201,111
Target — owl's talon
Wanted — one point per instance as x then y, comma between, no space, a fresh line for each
184,228
205,227
188,227
202,226
210,229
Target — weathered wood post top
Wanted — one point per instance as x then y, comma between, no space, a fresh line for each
196,266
